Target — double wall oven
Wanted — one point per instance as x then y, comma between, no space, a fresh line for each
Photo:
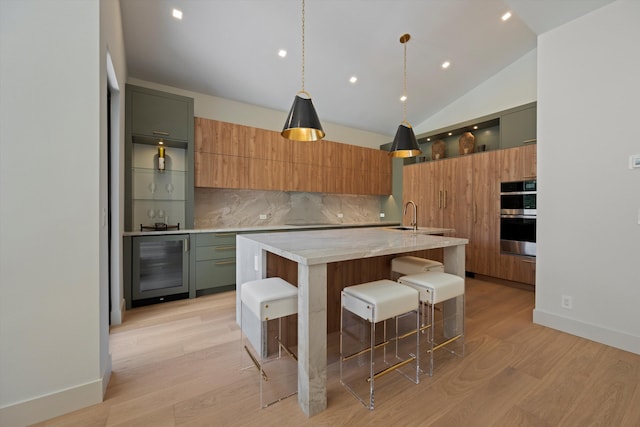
518,217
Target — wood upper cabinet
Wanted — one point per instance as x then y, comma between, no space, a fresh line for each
519,163
266,161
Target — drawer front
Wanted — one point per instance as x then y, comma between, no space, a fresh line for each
215,252
211,274
215,239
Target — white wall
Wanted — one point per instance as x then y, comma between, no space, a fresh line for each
589,201
53,306
513,86
212,107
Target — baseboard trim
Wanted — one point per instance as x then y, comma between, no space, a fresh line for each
55,404
596,333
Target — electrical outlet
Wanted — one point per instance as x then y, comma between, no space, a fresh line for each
382,214
340,215
263,216
567,302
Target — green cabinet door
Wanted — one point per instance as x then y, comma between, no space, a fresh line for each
160,115
518,128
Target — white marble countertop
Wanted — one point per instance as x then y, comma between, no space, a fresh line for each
261,228
324,246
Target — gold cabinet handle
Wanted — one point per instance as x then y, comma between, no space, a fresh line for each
440,199
529,261
475,213
529,141
445,199
160,132
225,248
224,234
225,262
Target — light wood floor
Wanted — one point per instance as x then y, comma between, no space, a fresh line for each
177,364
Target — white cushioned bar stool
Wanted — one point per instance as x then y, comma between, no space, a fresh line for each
265,303
447,330
369,351
404,265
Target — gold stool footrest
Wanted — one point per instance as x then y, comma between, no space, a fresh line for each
286,349
255,362
391,368
449,341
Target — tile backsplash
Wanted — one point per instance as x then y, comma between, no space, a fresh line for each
219,208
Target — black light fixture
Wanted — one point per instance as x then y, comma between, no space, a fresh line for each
404,143
302,123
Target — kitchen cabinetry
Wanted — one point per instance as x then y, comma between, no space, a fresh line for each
517,268
153,195
442,192
228,155
518,127
215,261
484,237
158,269
464,194
518,163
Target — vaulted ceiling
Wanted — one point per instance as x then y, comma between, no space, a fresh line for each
229,49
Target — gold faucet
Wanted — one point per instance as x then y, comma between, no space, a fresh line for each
414,221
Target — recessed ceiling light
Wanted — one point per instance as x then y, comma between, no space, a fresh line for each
428,139
475,127
446,64
450,133
282,53
353,79
177,14
403,98
506,16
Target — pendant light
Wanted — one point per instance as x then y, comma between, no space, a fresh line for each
405,143
302,122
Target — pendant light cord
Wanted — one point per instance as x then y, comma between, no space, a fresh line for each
404,84
303,45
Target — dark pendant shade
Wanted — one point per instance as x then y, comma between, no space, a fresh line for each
302,122
405,143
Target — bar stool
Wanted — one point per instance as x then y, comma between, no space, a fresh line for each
447,332
404,265
367,354
262,303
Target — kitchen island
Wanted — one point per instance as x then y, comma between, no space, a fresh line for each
312,251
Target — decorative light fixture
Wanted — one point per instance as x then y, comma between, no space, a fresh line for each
405,143
302,123
161,153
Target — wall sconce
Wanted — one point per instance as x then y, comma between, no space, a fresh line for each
161,153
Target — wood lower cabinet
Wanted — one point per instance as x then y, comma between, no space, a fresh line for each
484,239
228,155
517,268
462,193
442,192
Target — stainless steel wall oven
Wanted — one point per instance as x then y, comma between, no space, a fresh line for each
518,217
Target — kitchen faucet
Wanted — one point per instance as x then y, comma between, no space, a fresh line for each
414,221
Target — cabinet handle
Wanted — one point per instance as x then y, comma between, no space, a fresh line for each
225,248
530,177
529,141
225,262
439,199
186,245
224,234
475,213
529,261
445,199
159,132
